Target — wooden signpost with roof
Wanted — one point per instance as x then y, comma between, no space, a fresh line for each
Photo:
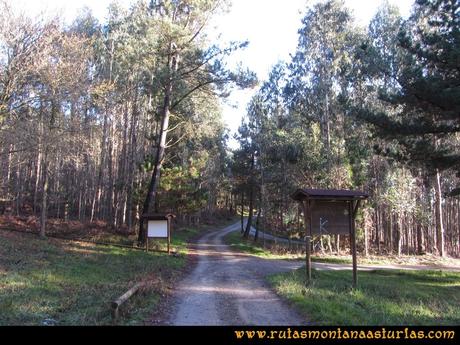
326,212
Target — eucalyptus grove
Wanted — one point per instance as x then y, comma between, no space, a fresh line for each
368,109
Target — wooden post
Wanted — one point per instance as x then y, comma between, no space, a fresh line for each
307,216
146,230
147,243
169,235
353,242
308,263
122,299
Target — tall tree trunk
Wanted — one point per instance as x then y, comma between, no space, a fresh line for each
44,196
419,239
408,233
439,222
390,231
39,158
18,185
329,244
132,159
109,205
8,170
377,229
251,198
165,113
263,201
321,244
398,225
251,212
37,175
230,210
457,222
242,211
256,235
366,240
155,180
327,126
98,190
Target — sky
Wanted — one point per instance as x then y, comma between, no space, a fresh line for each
270,26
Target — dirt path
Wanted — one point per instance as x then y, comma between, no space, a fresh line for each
228,288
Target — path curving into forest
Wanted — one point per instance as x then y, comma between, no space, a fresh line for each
229,288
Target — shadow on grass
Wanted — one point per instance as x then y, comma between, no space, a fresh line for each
72,283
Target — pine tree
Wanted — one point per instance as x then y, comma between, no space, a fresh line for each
422,112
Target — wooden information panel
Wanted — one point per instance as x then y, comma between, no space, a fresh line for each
157,229
330,217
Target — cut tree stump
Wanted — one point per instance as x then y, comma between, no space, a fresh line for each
122,299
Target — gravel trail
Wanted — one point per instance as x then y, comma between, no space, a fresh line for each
228,288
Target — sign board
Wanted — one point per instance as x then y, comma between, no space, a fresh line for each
157,229
330,217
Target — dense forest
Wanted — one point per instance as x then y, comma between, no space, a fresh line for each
85,107
374,109
109,121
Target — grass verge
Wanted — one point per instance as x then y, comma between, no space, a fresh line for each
390,259
383,297
270,251
73,283
59,282
282,251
